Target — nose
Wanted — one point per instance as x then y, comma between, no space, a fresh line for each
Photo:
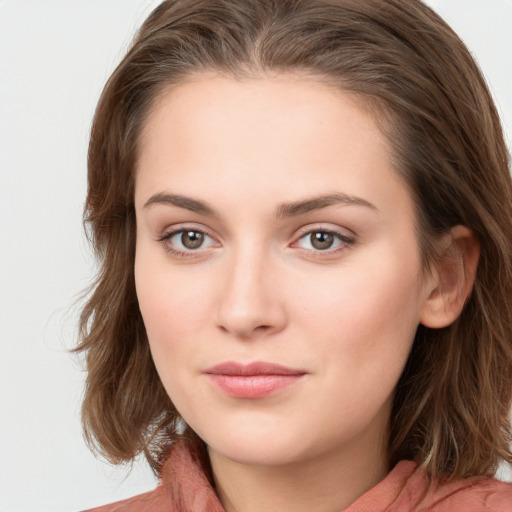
250,305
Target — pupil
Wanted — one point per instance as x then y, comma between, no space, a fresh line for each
321,240
192,239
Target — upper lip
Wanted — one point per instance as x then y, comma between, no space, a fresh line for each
256,368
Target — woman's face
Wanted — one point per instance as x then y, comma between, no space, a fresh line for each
277,268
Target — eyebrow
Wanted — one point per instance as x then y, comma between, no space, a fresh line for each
194,205
292,209
319,202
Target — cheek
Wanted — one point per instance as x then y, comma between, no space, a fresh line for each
168,293
168,309
360,322
173,310
172,303
359,325
361,298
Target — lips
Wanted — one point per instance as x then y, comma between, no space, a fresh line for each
255,380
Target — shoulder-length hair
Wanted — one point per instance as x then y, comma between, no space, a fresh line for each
451,406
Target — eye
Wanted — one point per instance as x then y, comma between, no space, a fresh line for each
323,240
189,239
185,241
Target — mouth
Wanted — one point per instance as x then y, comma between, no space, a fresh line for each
255,380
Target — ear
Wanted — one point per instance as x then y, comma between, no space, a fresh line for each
452,278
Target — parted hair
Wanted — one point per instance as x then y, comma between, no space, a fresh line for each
451,405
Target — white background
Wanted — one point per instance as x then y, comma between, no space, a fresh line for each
55,56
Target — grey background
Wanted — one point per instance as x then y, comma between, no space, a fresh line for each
54,59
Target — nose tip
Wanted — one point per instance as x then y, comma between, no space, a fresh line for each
245,330
250,306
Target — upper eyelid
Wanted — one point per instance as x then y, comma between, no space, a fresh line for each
344,239
342,232
167,236
165,239
308,228
178,228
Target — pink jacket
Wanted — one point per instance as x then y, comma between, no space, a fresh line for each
185,488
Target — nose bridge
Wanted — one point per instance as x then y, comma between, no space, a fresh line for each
249,302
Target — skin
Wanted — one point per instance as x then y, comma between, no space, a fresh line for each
257,289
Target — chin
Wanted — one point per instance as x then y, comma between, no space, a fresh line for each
257,454
259,448
255,446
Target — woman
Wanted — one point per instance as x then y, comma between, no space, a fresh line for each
302,211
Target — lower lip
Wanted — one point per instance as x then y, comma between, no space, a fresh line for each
253,386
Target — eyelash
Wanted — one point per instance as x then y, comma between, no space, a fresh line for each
344,242
166,237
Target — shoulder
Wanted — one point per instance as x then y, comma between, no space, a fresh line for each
474,495
147,502
408,488
184,486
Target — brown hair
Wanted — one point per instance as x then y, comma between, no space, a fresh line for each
452,402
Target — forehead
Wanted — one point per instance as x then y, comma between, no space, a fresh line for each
206,107
241,140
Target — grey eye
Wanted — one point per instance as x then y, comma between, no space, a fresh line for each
320,240
187,240
192,239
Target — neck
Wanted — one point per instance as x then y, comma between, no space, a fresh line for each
328,482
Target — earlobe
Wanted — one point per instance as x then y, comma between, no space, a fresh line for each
452,278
